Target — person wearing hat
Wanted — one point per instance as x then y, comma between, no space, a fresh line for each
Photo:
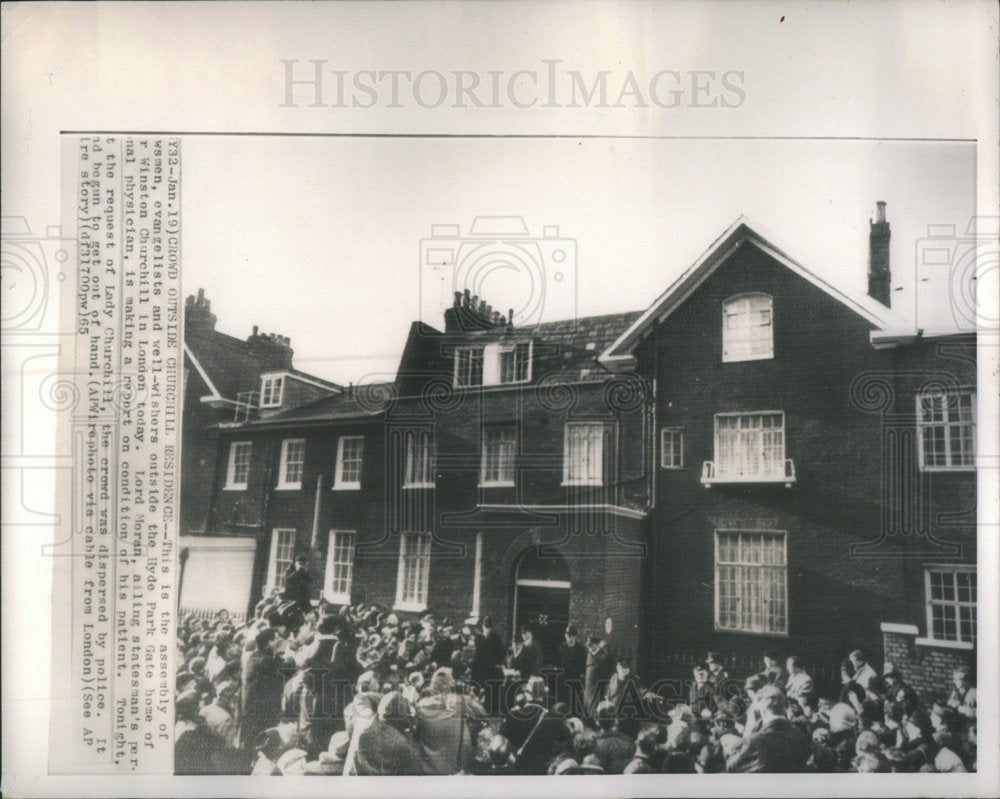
572,665
773,672
701,695
867,745
298,589
717,675
625,695
843,734
963,694
331,670
527,659
915,739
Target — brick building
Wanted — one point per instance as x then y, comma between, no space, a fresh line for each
504,472
815,484
226,379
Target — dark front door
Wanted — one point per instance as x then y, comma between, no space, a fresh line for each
541,598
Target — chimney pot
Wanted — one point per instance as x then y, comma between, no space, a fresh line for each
465,298
880,211
458,299
510,317
255,329
201,296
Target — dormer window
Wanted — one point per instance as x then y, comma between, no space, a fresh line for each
501,363
747,328
271,389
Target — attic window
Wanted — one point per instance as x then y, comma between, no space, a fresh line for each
271,389
747,328
496,364
591,345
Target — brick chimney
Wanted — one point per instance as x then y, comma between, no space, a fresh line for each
470,313
879,277
198,316
276,350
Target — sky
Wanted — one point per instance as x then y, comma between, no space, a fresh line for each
323,239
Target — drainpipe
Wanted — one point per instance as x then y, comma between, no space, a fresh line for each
477,577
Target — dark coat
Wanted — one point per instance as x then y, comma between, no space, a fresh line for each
599,669
298,588
263,687
535,737
572,670
331,672
384,750
614,750
778,748
528,661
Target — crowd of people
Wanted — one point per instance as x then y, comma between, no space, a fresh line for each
356,691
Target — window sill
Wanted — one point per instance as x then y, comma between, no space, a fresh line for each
288,487
591,483
742,358
337,599
346,487
234,488
419,485
944,644
410,607
498,484
671,468
971,468
757,633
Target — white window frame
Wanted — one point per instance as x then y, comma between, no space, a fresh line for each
738,344
951,428
284,484
761,474
674,434
568,441
339,552
272,389
339,483
491,358
415,600
412,437
232,484
742,564
275,576
958,642
504,468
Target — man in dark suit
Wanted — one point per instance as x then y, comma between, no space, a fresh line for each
779,747
572,667
331,670
487,664
298,589
527,660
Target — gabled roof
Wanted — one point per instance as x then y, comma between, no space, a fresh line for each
735,235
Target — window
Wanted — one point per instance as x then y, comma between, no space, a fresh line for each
946,423
750,446
499,448
419,460
348,473
270,391
493,364
751,592
282,557
239,465
671,448
469,366
583,454
951,603
747,330
414,570
339,567
293,455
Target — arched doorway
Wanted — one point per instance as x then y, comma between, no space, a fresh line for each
541,598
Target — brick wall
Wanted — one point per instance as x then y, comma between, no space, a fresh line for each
926,668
